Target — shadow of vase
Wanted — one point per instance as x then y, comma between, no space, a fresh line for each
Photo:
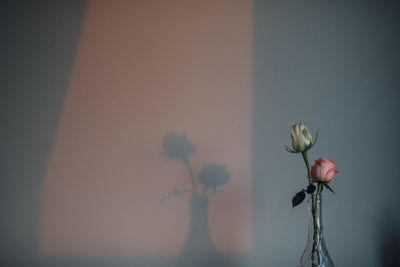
198,242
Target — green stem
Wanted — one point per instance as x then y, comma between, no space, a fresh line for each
305,157
313,205
320,187
187,164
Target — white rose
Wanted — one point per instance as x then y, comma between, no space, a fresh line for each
301,137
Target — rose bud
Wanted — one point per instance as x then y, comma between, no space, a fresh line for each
323,170
301,137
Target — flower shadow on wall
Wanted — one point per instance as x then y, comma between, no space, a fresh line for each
198,244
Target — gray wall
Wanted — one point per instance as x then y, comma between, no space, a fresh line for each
37,49
335,65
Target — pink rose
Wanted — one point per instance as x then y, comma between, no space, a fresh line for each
323,170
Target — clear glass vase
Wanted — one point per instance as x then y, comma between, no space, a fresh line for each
315,254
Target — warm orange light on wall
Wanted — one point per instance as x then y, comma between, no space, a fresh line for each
145,68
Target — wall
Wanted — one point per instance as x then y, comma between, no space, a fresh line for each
333,64
37,48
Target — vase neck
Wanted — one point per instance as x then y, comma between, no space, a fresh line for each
315,226
315,253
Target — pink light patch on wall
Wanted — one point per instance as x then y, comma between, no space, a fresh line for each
143,69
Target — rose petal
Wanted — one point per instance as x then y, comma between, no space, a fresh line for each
329,175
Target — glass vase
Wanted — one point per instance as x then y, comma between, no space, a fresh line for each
315,254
